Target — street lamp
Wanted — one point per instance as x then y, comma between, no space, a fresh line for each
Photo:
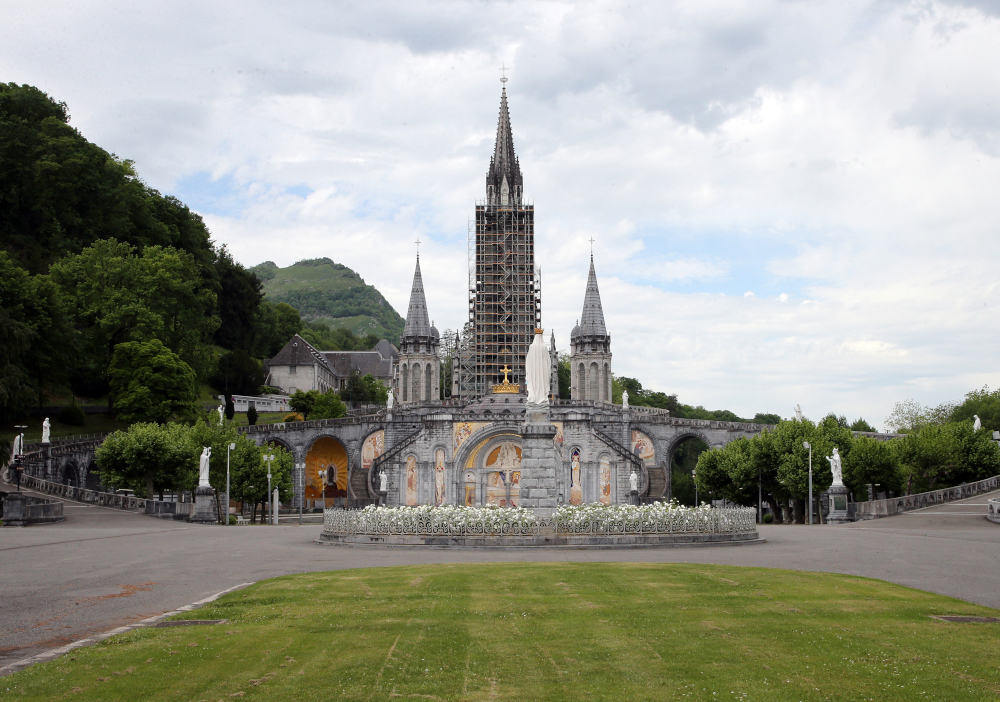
806,444
228,449
302,491
269,457
694,477
322,486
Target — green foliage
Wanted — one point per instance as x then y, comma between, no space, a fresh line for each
765,418
566,378
238,373
120,294
927,453
303,401
73,415
320,335
252,414
860,424
873,464
148,457
328,405
269,390
910,415
239,294
323,290
982,402
364,390
249,473
151,383
229,410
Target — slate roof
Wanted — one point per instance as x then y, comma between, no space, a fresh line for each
341,364
417,321
592,319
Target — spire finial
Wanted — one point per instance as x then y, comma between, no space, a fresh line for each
591,248
503,78
418,249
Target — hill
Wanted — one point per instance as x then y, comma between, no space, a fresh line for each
328,292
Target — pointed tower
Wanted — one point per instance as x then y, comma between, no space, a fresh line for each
504,295
554,382
590,358
418,376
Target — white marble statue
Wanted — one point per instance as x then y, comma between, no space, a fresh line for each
976,425
633,482
206,454
382,482
624,399
538,371
222,414
798,413
837,468
389,400
46,430
15,449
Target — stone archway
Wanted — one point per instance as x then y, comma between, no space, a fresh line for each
329,454
478,461
70,474
683,448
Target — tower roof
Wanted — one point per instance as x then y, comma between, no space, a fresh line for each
592,319
504,163
417,321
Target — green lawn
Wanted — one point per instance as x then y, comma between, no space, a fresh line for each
565,631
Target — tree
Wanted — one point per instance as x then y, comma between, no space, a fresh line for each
152,383
239,294
249,476
983,403
978,456
356,389
327,406
925,454
303,401
238,374
860,424
251,414
871,463
148,457
565,378
766,418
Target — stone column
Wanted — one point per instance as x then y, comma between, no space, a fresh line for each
838,505
538,468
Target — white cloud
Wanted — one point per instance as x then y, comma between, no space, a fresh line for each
842,157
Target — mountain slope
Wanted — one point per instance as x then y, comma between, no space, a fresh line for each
324,291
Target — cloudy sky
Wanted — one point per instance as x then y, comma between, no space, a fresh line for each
790,201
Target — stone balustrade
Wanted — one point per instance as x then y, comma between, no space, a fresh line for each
993,510
874,509
21,510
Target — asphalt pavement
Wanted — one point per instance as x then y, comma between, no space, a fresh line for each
103,568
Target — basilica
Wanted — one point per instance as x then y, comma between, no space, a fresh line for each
476,446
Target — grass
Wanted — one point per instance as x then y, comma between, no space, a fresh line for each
561,631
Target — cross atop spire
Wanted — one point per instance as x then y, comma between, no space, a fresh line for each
591,248
503,78
418,249
503,179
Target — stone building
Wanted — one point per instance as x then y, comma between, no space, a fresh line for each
300,366
418,378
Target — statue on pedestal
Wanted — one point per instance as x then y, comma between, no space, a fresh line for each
798,413
389,400
624,399
837,468
538,372
382,481
206,454
46,429
633,481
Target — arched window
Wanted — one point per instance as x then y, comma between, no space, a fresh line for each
594,390
581,382
606,386
404,386
416,383
427,385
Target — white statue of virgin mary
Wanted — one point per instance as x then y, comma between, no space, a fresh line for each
538,371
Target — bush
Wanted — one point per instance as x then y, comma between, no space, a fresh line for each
768,518
252,414
292,417
270,390
73,416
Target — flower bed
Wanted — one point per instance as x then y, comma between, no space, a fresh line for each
592,519
656,518
433,521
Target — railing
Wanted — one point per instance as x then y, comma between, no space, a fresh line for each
654,519
874,509
387,456
92,497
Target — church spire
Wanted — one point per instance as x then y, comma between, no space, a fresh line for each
503,180
417,323
592,319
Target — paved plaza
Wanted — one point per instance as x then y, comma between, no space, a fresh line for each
102,568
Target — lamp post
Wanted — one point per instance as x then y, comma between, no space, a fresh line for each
228,450
694,477
269,457
322,486
806,444
18,459
302,491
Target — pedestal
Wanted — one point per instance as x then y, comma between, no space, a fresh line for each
633,497
15,509
204,506
381,498
538,468
838,505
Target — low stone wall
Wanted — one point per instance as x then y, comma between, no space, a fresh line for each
993,510
164,510
545,538
874,509
169,510
21,510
